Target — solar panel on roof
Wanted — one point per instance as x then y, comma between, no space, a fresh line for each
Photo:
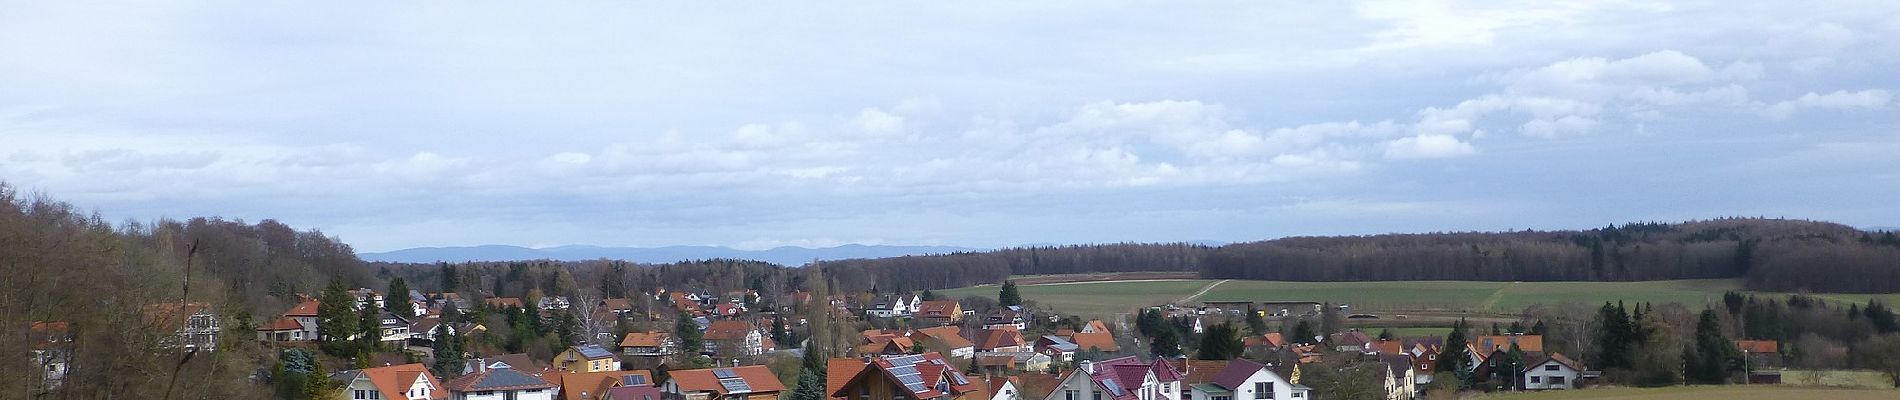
1112,387
723,373
735,385
958,378
633,380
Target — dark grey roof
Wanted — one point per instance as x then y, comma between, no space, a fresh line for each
506,378
594,351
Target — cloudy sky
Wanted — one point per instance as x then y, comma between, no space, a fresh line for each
973,124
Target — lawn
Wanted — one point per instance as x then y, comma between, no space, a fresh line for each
1094,298
1732,392
1105,298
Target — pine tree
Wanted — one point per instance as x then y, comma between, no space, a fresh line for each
369,327
1452,357
1166,344
1221,343
1303,331
336,320
397,300
688,334
1386,334
448,352
449,281
1708,362
1009,296
317,385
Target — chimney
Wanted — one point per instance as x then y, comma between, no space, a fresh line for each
1087,367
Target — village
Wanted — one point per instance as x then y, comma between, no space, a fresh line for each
737,345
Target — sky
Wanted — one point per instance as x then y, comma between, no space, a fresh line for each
981,124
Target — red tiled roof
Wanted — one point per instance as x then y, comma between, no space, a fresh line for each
1270,339
998,337
839,371
1202,371
758,377
305,308
280,324
949,336
1102,340
1758,346
727,330
590,385
1527,343
394,381
644,339
937,308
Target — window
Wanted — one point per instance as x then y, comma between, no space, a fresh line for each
1556,380
1097,394
359,395
1066,395
1552,367
1537,379
1298,394
1223,398
1263,390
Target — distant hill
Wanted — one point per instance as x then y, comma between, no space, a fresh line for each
786,255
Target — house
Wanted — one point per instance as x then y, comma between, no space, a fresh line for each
364,296
1057,348
1350,342
1093,326
1760,354
734,336
995,388
1245,379
296,325
552,303
839,371
396,382
917,376
52,352
1424,353
1000,339
1401,383
504,302
939,312
594,385
1269,341
1011,361
424,329
586,358
193,325
395,329
892,306
633,393
728,310
1011,316
1037,386
620,307
1554,372
1125,378
751,382
946,337
500,384
1527,343
518,361
1095,341
886,344
648,344
449,299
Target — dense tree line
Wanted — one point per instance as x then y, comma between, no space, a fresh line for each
72,269
1778,255
913,273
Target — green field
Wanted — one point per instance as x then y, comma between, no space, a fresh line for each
1102,298
1731,392
1094,298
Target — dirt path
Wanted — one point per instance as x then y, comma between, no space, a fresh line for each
1210,286
1492,302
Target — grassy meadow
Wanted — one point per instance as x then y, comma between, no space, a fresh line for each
1104,298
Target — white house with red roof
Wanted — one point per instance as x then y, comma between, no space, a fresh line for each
299,324
395,382
1245,380
915,376
1126,378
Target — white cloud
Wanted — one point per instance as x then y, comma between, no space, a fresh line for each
1428,146
878,122
1837,100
